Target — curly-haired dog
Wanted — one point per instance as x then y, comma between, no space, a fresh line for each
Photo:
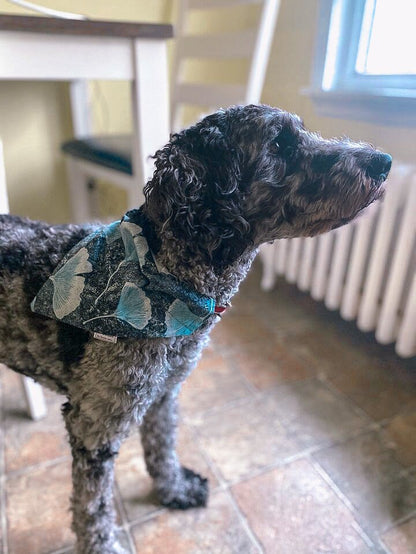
238,178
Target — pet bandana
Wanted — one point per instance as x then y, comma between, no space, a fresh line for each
110,284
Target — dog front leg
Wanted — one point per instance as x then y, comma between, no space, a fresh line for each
176,486
92,476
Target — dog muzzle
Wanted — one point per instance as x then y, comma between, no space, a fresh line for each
110,284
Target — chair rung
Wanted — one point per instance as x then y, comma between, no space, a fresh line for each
230,45
113,151
214,4
209,95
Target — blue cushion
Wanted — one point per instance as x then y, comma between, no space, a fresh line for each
113,151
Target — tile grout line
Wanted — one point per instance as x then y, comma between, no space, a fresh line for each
211,465
395,524
336,391
225,487
400,521
147,517
368,426
344,499
125,525
228,406
64,550
3,500
254,474
235,367
243,520
304,453
40,465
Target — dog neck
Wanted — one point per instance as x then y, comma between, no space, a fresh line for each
220,283
189,265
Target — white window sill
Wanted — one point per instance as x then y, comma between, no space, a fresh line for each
392,107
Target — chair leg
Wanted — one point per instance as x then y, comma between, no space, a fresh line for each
79,191
34,398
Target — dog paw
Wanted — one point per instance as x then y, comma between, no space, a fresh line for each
190,492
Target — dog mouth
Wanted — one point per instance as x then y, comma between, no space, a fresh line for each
353,212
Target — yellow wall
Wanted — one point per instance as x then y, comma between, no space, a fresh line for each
35,117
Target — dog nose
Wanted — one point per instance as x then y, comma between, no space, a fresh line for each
380,166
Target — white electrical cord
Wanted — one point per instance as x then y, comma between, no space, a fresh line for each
47,11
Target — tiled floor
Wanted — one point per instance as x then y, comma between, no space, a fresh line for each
305,427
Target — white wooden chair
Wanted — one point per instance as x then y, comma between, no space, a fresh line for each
252,44
109,158
33,391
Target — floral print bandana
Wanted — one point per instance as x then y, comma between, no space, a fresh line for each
110,284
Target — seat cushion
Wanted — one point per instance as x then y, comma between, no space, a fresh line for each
113,151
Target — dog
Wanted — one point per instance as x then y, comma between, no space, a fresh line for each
240,177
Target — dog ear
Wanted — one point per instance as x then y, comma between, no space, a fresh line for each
195,194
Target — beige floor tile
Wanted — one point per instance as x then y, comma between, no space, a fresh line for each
402,431
234,331
380,390
213,383
313,414
402,538
367,471
216,529
293,510
269,365
38,510
29,442
243,439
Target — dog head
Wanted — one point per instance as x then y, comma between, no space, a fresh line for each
252,174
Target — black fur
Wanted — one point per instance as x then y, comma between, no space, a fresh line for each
71,342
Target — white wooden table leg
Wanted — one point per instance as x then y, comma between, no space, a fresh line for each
150,97
78,191
34,398
80,197
80,108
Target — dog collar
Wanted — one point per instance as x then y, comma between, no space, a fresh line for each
111,285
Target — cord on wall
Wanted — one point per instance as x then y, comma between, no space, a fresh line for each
47,11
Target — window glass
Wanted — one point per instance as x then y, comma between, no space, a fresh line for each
387,43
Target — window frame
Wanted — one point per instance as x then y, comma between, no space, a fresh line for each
337,89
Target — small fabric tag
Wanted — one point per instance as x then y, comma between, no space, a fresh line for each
105,338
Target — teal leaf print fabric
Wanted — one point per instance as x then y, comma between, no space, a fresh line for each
180,320
134,306
68,284
110,283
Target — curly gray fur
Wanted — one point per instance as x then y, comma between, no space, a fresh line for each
238,178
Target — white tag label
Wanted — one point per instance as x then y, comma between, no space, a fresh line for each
105,338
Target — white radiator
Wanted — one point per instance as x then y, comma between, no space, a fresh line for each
367,269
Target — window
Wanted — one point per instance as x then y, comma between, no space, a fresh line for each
366,60
387,44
